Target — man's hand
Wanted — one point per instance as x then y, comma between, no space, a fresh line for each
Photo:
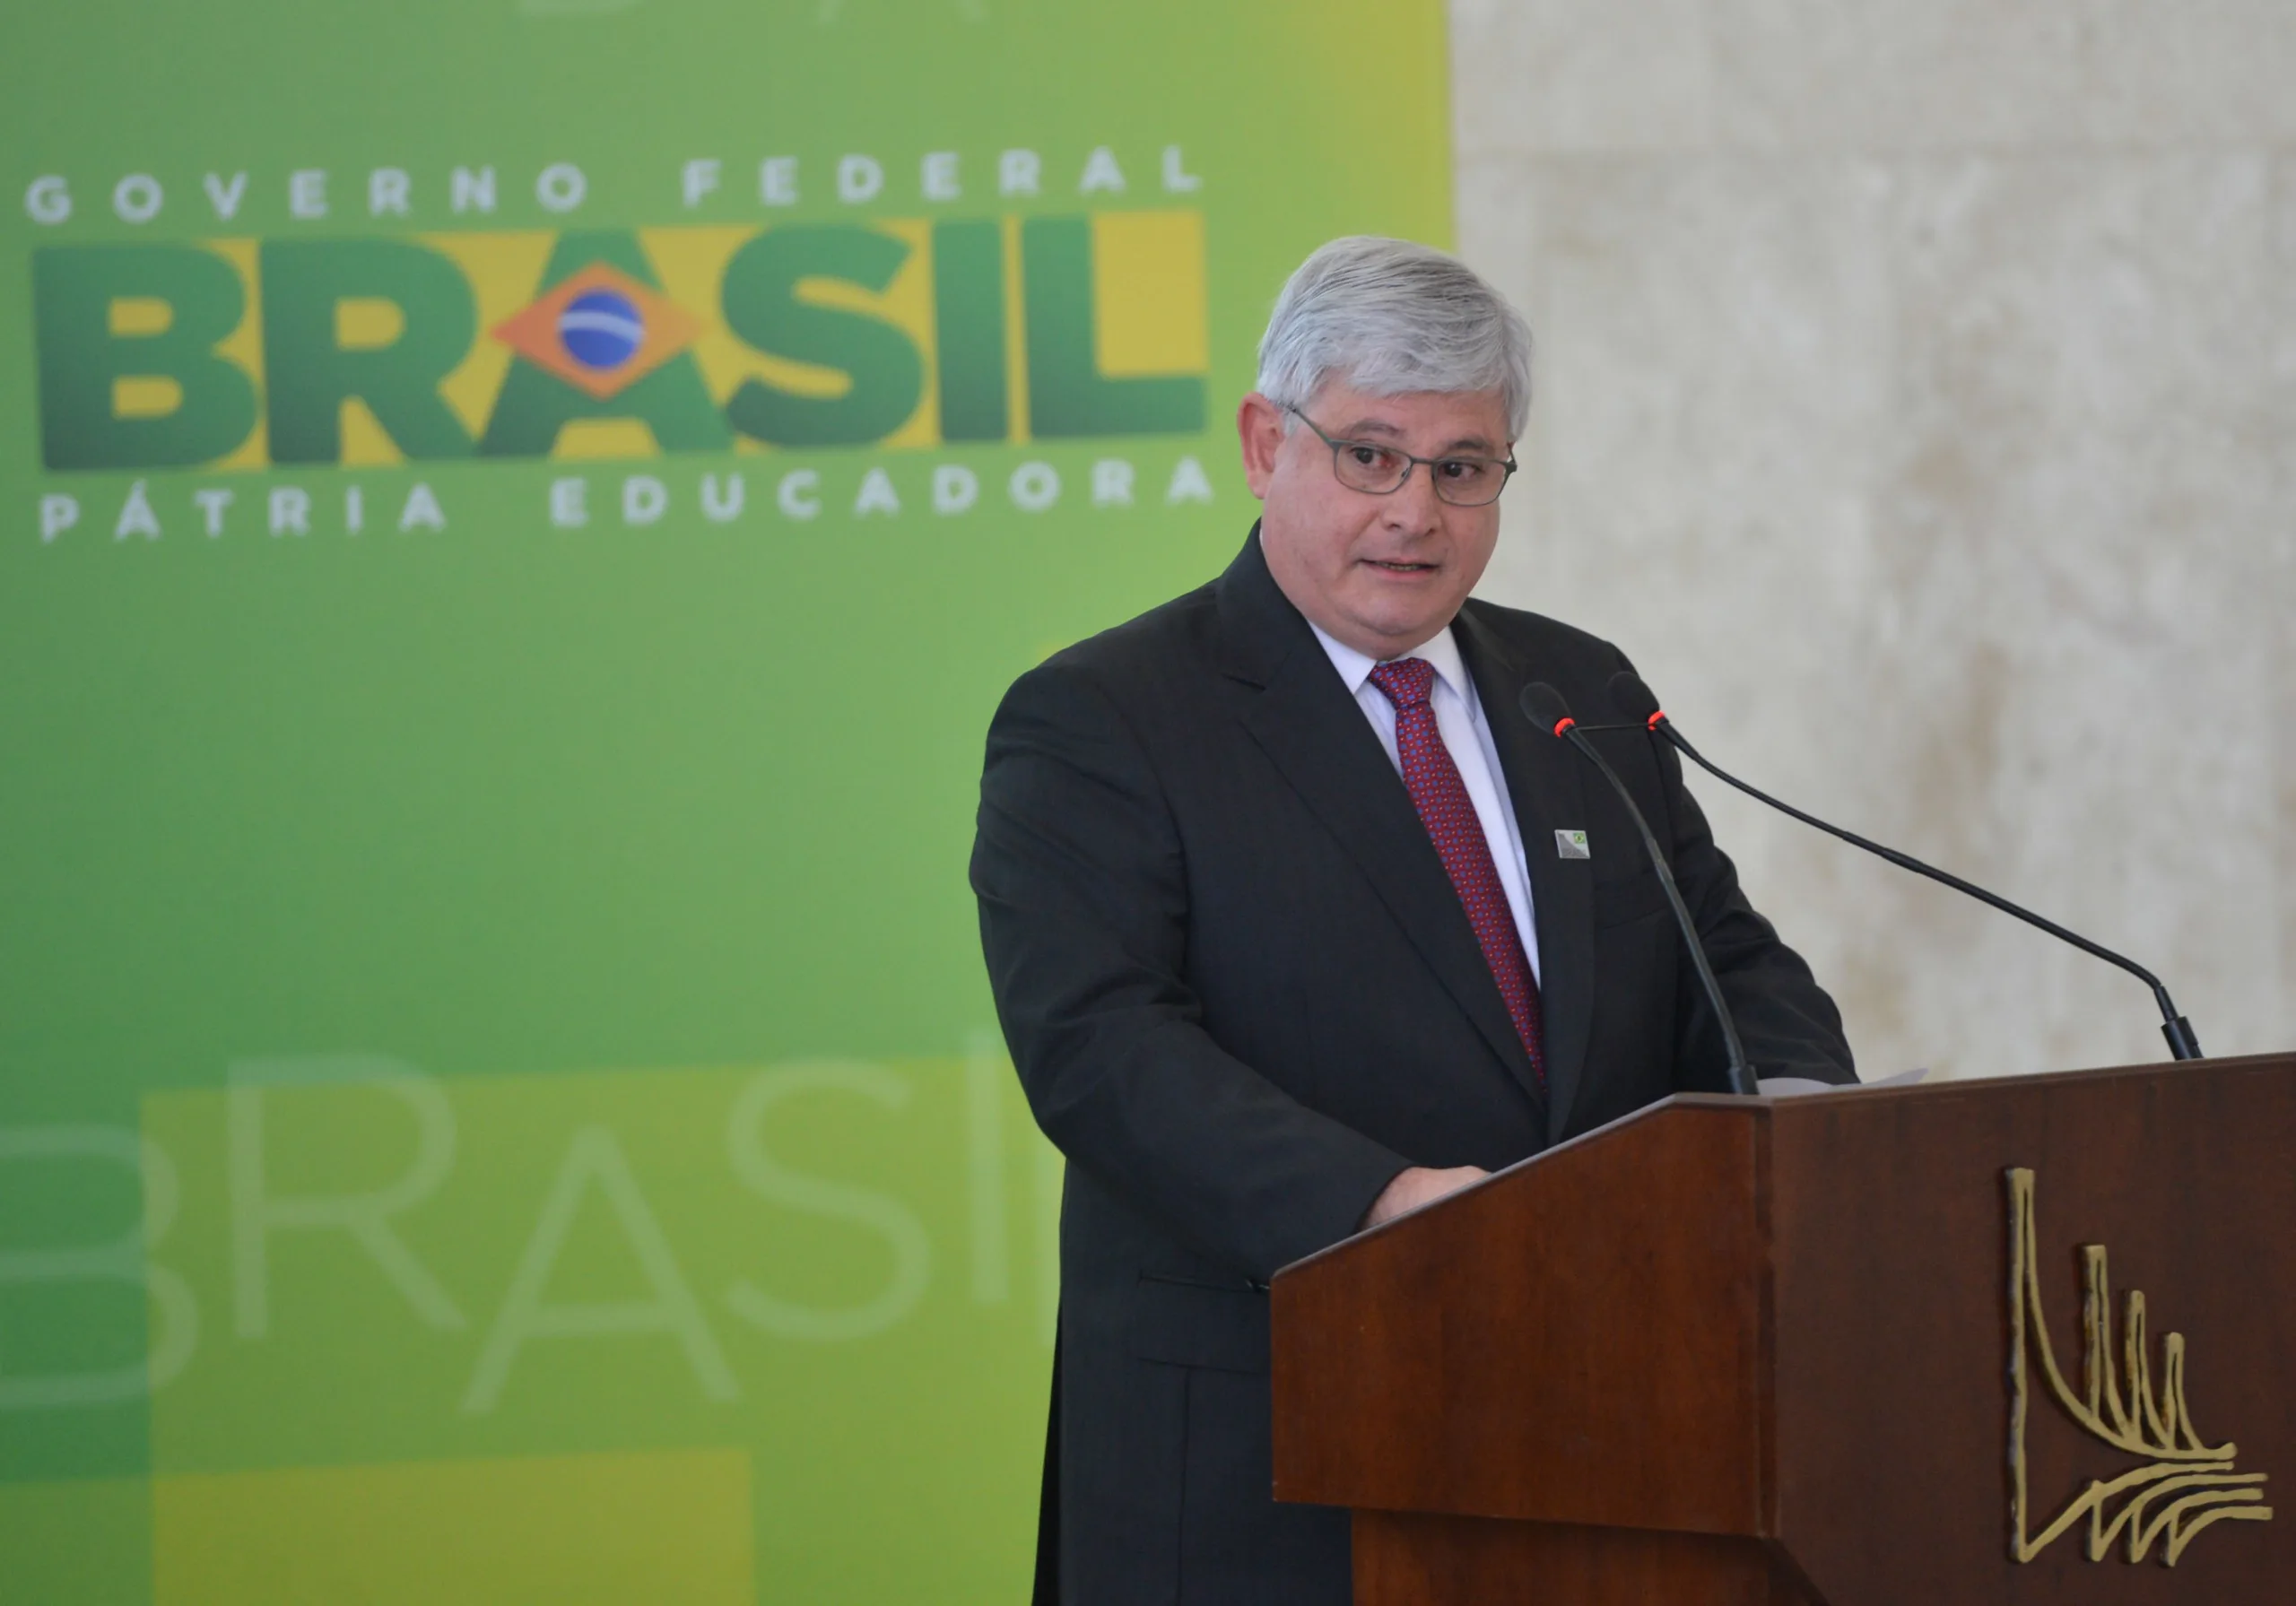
1416,1186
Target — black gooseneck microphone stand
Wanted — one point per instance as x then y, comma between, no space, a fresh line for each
1634,698
1544,706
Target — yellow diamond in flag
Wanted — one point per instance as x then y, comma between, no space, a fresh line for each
599,330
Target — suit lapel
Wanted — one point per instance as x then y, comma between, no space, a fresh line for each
1545,783
1316,736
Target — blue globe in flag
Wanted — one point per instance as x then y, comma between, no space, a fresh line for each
601,329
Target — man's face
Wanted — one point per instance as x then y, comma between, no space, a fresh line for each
1381,573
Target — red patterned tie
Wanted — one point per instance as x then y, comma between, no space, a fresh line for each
1441,797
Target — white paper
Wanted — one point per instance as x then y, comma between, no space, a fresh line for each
1792,1087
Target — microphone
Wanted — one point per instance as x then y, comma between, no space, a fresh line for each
1634,698
1544,706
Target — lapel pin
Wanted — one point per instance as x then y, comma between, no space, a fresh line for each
1571,845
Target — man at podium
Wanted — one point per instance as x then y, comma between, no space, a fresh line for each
1295,923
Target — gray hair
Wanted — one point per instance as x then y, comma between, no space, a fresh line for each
1394,319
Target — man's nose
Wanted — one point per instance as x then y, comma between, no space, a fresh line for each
1413,506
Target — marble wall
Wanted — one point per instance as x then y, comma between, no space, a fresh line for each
1916,404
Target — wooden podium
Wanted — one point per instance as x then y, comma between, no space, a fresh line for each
1810,1350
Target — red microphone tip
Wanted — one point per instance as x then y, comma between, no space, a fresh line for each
1564,724
1656,716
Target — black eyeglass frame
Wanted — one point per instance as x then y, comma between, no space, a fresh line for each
1338,444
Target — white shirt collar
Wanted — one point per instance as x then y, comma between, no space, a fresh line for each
1440,649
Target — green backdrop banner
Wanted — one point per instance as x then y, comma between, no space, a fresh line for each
514,516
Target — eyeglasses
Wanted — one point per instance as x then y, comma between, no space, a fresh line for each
1379,470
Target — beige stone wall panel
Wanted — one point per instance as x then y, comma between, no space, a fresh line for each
1916,394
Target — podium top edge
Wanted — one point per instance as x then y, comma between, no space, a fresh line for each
1762,1109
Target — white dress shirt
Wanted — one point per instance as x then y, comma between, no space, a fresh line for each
1459,716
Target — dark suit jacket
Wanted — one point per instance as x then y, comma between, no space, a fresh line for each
1243,994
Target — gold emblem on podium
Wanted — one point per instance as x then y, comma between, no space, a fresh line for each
2183,1486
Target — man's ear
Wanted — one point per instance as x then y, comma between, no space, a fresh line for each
1259,432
